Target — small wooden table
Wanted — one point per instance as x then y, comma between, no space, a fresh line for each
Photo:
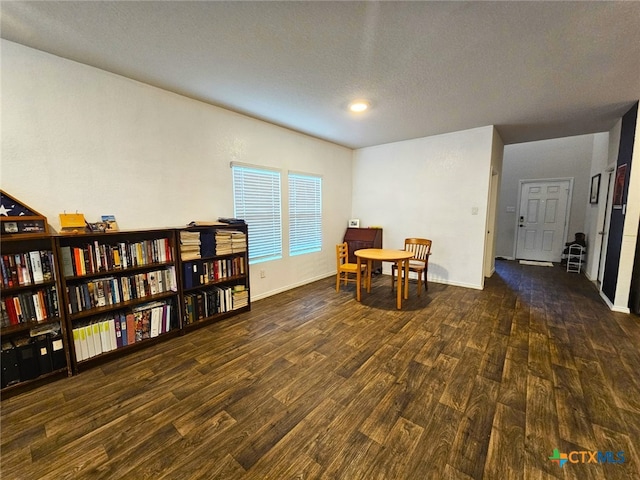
400,257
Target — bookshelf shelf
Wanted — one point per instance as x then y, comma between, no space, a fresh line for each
27,326
120,306
34,285
120,271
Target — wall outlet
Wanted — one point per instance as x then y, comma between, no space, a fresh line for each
263,274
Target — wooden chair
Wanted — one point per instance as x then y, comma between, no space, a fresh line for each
344,267
421,247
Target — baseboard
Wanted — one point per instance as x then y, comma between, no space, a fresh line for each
292,286
327,275
621,310
612,307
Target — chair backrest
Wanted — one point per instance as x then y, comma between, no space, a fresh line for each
342,253
421,248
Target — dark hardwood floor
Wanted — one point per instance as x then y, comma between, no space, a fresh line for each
459,384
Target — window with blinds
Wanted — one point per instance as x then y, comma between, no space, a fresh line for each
305,213
256,200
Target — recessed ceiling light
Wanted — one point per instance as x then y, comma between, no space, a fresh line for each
359,106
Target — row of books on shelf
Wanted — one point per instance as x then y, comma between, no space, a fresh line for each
191,246
111,290
206,303
197,273
230,241
29,306
99,257
121,329
26,358
207,243
27,268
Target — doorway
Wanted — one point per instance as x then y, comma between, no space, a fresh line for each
604,233
542,219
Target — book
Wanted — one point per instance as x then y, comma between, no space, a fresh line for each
46,260
42,347
167,317
123,330
156,317
36,266
131,329
76,344
91,344
66,261
104,336
83,344
58,358
97,339
138,325
110,221
112,334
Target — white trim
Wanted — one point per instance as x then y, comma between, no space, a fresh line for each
305,174
291,286
613,307
253,165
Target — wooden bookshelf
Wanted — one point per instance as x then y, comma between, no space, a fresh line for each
34,339
120,290
214,273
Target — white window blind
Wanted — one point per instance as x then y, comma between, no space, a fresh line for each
256,199
305,213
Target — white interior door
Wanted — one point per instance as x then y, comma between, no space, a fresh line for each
543,219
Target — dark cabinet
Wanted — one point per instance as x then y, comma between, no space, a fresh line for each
359,238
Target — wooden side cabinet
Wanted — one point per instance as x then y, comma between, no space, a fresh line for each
359,238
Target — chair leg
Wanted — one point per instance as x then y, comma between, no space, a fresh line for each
419,284
426,285
393,276
338,282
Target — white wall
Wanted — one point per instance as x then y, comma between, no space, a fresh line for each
630,230
78,138
557,158
595,212
497,152
427,188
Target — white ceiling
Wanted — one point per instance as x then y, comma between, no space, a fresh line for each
536,70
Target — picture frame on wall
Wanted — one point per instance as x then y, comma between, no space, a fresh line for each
595,189
354,223
618,187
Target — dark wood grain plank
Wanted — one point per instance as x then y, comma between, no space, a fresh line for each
505,454
573,423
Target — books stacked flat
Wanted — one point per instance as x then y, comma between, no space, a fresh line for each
223,242
239,297
189,245
238,242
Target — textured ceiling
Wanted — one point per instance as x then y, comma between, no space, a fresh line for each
536,70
